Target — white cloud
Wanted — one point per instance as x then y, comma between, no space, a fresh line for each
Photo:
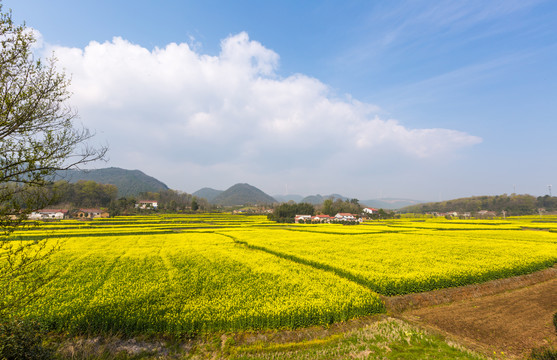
177,107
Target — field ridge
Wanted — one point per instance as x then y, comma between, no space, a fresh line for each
314,264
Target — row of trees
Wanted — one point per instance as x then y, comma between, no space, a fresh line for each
332,207
83,194
88,193
512,204
286,212
169,201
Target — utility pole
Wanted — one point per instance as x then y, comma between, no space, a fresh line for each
549,188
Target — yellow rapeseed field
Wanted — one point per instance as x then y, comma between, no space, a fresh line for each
186,274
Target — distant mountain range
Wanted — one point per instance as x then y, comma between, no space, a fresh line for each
134,182
239,195
318,199
289,197
128,182
389,203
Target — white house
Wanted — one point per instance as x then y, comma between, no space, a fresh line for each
370,211
345,217
45,214
321,218
297,218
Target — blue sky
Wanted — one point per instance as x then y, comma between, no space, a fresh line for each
428,100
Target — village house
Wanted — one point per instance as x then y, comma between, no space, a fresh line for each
370,211
147,204
345,217
485,214
91,214
45,214
321,219
299,218
450,214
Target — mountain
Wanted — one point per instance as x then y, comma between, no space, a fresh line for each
128,182
289,197
389,203
242,194
207,193
318,199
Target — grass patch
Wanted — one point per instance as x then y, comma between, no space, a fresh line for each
386,339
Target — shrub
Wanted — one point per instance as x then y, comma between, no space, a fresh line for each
555,322
543,354
22,340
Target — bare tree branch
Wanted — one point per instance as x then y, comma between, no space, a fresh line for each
38,136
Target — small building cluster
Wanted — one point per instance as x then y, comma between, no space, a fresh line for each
340,217
47,214
482,214
147,204
91,214
252,210
59,214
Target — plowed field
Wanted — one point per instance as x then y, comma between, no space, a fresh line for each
508,324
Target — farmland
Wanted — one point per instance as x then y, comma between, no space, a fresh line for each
189,274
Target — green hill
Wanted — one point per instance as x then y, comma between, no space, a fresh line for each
207,193
128,182
242,194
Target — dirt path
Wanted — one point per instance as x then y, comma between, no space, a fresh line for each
509,317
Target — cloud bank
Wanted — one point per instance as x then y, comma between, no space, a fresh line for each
195,120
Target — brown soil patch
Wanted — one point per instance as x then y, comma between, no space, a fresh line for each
398,304
513,321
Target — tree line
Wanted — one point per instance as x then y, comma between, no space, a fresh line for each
286,212
331,208
91,194
512,205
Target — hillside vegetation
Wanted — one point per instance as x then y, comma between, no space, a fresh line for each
512,204
128,182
